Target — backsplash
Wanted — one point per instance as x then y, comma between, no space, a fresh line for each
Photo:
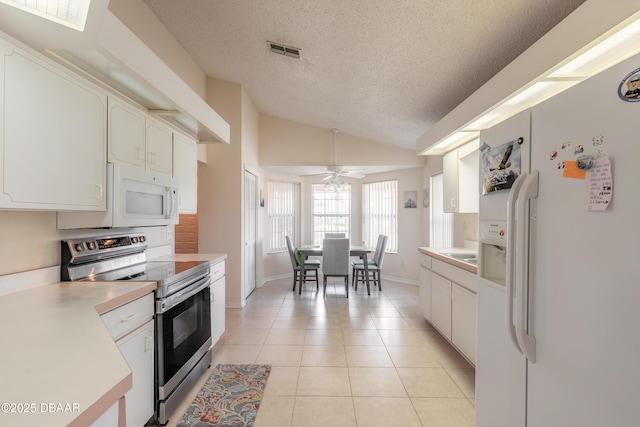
465,227
186,241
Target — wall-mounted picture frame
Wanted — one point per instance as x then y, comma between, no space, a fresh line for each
410,199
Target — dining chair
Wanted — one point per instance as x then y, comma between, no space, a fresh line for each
335,235
335,261
309,266
374,267
370,261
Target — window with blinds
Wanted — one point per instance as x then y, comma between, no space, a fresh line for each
380,213
282,211
441,223
330,211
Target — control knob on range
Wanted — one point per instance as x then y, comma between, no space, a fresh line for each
91,245
142,239
79,247
134,239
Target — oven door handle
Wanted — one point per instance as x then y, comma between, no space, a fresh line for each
171,301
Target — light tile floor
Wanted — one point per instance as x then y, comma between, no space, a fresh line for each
361,361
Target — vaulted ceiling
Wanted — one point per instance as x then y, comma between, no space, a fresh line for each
377,69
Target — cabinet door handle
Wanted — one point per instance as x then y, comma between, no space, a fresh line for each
129,317
148,343
99,192
152,158
453,202
140,153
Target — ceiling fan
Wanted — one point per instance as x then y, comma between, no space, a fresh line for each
334,172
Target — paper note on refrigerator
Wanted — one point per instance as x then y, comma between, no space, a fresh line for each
571,170
599,185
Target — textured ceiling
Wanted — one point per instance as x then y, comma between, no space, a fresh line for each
378,69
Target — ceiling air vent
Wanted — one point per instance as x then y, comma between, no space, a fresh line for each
281,49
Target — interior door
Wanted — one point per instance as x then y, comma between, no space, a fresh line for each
250,216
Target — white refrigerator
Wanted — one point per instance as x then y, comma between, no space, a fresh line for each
559,290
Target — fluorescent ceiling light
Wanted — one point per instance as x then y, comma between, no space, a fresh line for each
605,53
71,13
614,49
453,141
529,97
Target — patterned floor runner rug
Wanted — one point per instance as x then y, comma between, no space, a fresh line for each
230,397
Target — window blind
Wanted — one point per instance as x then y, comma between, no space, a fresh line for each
380,213
282,210
440,223
331,211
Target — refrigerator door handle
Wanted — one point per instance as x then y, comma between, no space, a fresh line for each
529,191
511,250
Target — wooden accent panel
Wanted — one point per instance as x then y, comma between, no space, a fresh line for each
186,232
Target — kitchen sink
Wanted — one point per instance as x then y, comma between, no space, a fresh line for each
459,255
468,258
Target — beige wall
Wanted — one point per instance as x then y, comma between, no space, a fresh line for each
221,184
220,188
465,227
287,143
30,240
143,22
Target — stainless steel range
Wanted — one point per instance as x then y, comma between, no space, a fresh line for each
183,310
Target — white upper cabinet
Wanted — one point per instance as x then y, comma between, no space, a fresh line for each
185,170
127,134
138,140
52,135
159,147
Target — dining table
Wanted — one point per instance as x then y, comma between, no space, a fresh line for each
316,250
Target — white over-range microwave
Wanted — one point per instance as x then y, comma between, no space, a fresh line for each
135,198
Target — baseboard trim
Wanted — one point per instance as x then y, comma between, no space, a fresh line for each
401,280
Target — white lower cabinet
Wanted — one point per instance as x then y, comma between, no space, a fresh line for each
132,327
463,321
217,301
137,349
109,418
425,292
448,302
441,304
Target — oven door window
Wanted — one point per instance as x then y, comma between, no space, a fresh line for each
185,328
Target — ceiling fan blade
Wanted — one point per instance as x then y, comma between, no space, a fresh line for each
354,175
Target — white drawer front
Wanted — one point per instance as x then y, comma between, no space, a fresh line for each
425,261
217,271
127,317
455,274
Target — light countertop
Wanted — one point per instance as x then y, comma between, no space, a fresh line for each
442,255
55,349
212,258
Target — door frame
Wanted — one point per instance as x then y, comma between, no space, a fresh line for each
245,276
